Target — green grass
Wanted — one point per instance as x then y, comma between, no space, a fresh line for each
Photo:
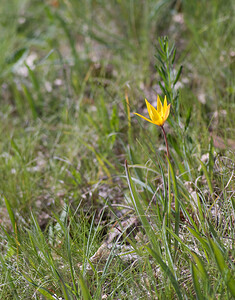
90,206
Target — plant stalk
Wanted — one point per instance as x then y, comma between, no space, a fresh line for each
167,148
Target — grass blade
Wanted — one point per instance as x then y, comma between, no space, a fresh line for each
167,271
31,102
11,214
85,292
224,269
200,267
140,211
177,204
44,292
207,177
10,279
196,283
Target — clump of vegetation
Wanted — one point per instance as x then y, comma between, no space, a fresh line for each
95,202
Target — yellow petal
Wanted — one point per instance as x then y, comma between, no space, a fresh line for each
153,113
167,112
159,106
165,106
144,118
160,122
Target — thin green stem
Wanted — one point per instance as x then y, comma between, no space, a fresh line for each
167,148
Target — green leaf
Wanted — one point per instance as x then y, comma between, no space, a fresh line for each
200,267
173,56
178,74
207,177
196,283
17,56
188,118
167,271
140,210
11,214
177,204
179,240
85,291
203,241
200,212
31,101
211,158
41,290
9,278
16,149
169,258
35,83
223,267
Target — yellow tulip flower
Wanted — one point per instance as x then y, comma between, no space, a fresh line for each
157,116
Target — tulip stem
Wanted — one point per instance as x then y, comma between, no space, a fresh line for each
167,148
